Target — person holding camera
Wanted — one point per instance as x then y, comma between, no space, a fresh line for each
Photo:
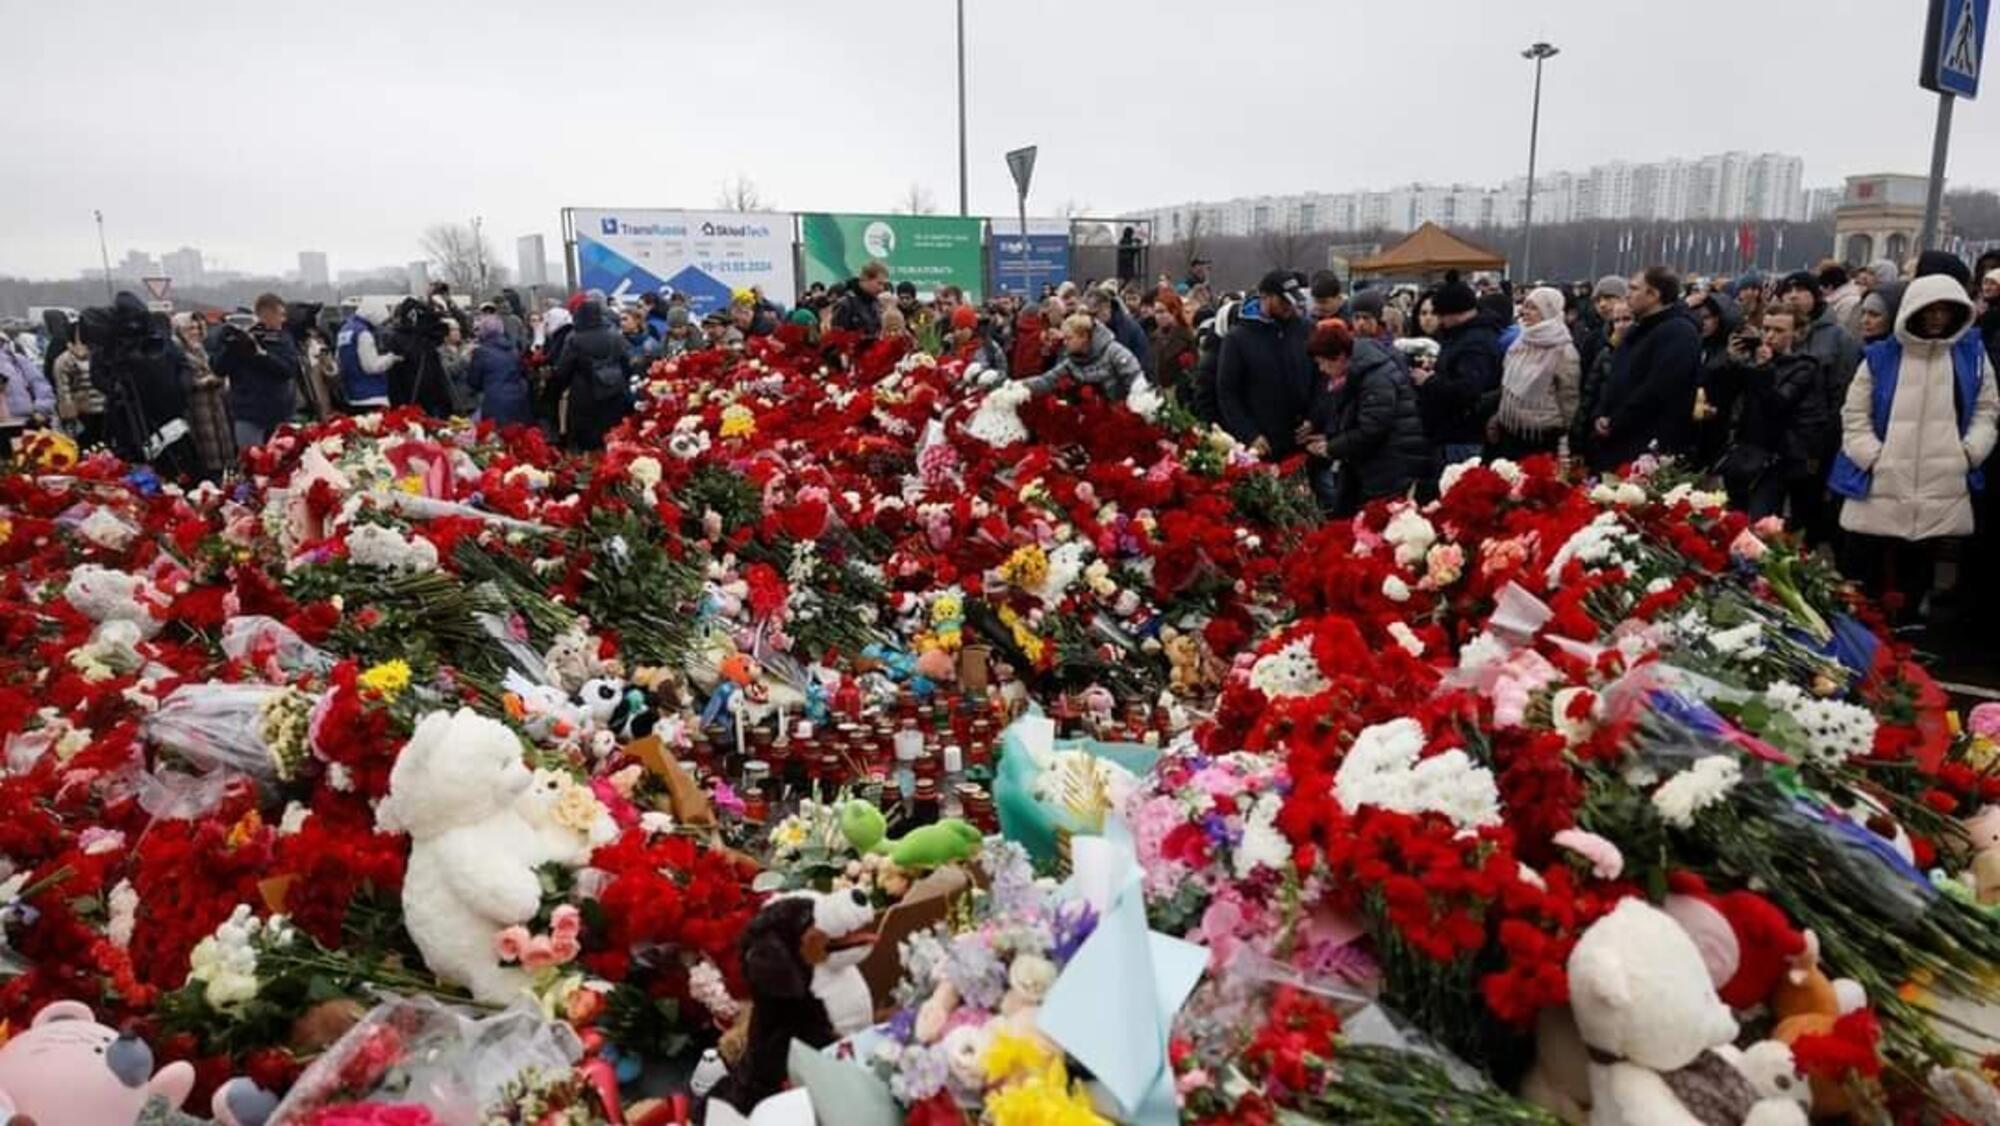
1728,346
263,367
144,378
1778,424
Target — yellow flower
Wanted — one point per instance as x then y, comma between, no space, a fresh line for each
6,530
1025,638
1010,1056
577,809
1026,568
387,679
1044,1097
246,827
738,421
413,485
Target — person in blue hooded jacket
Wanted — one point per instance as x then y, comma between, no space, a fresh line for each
364,364
495,374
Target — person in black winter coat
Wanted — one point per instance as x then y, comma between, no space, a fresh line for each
1110,312
1725,351
145,379
1209,335
263,367
1648,398
1835,349
1590,393
1779,425
1365,437
1265,384
860,308
1463,389
596,371
419,376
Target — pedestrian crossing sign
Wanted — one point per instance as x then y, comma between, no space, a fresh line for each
1954,40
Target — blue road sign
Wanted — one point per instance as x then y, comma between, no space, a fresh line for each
1954,41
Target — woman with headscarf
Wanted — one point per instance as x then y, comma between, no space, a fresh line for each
1878,312
548,396
207,410
1539,379
495,375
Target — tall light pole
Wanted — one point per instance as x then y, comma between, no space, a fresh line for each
963,207
1540,52
479,252
104,254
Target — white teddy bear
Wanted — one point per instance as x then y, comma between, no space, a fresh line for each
456,789
1659,1037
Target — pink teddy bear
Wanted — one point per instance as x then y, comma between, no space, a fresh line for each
65,1069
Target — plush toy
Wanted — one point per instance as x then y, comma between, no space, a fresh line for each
574,658
785,948
455,789
948,840
1652,1021
106,595
1983,830
1806,1003
65,1069
1559,1080
1744,940
1183,661
599,698
568,826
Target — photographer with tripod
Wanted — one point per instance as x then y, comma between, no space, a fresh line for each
145,380
419,330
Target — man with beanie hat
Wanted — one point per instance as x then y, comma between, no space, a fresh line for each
1648,399
1604,296
1462,391
1837,351
1265,384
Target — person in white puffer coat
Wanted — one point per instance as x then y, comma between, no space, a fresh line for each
1917,422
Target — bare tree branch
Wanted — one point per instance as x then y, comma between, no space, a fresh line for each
462,256
741,194
917,200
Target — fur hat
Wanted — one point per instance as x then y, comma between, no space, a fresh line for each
1454,296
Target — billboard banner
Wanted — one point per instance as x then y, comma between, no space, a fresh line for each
704,254
1024,264
926,250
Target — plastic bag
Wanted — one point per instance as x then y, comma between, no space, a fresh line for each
1033,821
418,1051
218,726
254,635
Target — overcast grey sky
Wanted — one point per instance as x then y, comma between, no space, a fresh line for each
255,129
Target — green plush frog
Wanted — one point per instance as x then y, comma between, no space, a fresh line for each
928,847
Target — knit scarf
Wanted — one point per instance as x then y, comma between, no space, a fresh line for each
1527,378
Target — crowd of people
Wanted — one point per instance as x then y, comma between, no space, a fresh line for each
1858,405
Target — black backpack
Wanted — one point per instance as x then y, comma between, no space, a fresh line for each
608,380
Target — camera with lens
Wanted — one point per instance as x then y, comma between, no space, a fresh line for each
417,325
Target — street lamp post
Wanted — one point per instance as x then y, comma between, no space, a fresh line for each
963,207
103,254
1540,52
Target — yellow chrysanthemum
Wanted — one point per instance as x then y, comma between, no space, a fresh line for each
1010,1056
738,421
413,485
1045,1098
1024,638
1027,568
387,679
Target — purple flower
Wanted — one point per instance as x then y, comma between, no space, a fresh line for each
902,1026
1074,923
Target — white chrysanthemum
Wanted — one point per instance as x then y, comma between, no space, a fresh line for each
1596,543
1395,589
1835,729
645,472
1382,769
373,545
1484,649
1291,671
1746,640
997,422
1411,535
1702,785
1263,846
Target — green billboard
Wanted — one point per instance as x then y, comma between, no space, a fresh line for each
925,250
